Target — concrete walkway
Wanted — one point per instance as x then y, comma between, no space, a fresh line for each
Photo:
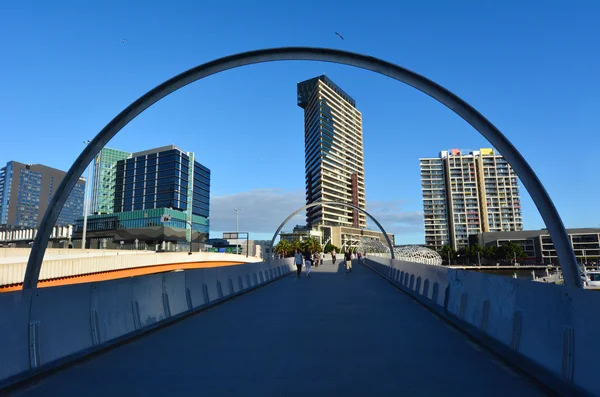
334,334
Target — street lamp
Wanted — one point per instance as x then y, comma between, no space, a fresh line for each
237,211
85,202
237,241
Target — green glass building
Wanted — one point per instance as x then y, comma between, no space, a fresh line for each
103,188
132,194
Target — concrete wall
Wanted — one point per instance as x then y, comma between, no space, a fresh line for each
45,327
57,263
548,330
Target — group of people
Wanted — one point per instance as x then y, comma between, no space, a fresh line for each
307,259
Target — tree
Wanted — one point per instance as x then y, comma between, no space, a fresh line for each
490,252
473,252
448,253
283,248
511,250
330,247
311,245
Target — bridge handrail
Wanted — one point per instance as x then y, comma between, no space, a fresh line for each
548,330
46,327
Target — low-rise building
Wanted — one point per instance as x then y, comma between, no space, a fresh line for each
538,245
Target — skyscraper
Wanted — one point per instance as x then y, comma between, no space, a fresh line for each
465,194
334,161
103,187
26,191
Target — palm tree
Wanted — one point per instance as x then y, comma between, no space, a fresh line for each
283,248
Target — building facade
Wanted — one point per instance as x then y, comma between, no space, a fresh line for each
104,181
26,191
334,160
148,185
465,194
538,247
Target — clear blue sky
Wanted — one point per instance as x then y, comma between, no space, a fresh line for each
532,70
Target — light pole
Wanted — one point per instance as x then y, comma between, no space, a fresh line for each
85,202
237,211
584,258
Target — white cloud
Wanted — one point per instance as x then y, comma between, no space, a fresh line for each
262,210
393,218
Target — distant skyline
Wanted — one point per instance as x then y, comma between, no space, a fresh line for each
71,67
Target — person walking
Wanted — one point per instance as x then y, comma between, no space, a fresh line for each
348,258
307,262
298,262
333,257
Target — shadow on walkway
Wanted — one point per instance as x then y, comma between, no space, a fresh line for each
334,334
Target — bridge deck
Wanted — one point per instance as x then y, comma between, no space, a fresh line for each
335,334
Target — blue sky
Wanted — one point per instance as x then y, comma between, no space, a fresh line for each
531,70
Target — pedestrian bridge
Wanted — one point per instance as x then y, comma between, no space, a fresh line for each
389,328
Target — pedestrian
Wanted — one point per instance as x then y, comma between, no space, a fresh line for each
358,256
316,259
348,258
307,262
333,256
298,262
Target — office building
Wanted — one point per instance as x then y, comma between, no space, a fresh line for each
26,191
465,194
538,247
149,185
104,181
334,160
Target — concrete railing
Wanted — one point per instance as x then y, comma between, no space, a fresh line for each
57,265
46,327
550,331
24,252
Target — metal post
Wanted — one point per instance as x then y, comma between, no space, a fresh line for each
85,202
247,237
584,258
478,259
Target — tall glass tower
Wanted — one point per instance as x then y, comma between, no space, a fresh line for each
334,160
103,188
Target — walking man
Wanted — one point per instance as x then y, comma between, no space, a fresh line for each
348,258
307,262
333,257
298,262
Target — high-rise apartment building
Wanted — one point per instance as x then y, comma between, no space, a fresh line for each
26,191
334,161
105,174
466,194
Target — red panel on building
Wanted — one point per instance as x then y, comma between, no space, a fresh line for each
355,199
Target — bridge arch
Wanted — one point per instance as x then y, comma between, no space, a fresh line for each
340,203
538,193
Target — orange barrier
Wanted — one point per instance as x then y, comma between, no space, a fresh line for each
114,274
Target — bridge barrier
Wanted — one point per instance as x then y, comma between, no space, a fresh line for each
550,331
46,327
79,262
